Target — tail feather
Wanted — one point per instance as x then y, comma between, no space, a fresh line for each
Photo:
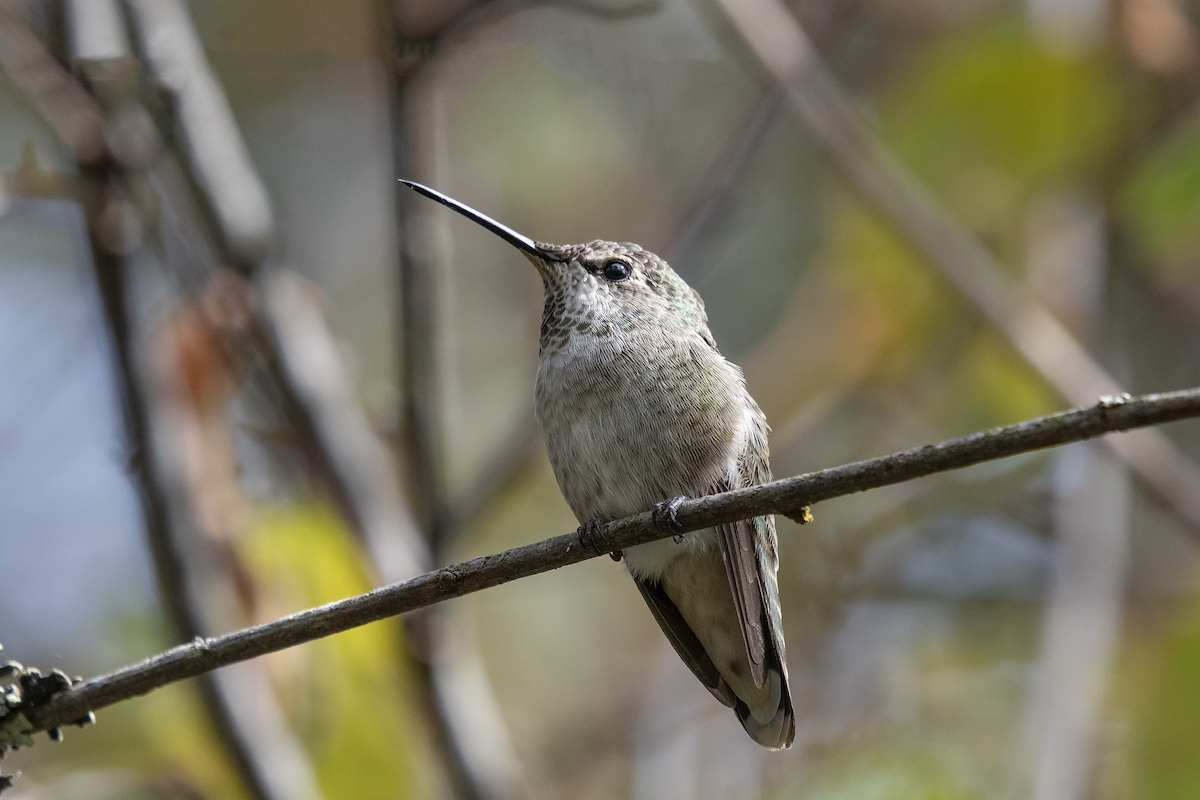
772,724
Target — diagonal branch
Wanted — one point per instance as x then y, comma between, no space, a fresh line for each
790,496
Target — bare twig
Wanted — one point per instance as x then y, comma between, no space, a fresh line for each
790,496
1081,628
248,720
608,10
309,353
326,419
477,755
217,154
517,449
1092,530
63,103
728,173
789,57
736,158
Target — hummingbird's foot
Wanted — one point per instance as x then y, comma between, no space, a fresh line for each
590,537
665,516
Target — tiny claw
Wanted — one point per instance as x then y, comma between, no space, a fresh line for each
665,516
588,532
590,537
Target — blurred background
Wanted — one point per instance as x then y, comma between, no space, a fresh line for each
243,373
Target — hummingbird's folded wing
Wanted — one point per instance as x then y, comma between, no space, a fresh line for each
684,640
748,549
740,542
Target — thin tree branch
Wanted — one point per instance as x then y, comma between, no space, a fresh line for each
247,718
728,170
790,496
218,156
518,449
728,173
478,756
66,106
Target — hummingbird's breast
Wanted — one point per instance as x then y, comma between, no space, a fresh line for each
636,419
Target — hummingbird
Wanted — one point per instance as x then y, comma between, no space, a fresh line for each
640,410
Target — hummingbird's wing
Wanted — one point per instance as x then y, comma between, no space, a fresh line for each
748,548
740,543
684,640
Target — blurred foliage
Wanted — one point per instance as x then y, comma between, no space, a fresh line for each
991,97
178,739
881,771
345,692
1165,733
1162,202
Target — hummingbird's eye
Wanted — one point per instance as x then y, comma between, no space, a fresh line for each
617,270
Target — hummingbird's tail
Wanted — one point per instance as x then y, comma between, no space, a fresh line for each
765,710
771,722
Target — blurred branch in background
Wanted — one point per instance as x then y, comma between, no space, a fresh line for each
181,431
389,528
316,368
318,394
1092,519
63,103
1082,624
786,53
728,173
181,440
464,717
732,165
1092,523
790,496
219,161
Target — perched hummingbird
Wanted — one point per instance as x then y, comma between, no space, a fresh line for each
640,410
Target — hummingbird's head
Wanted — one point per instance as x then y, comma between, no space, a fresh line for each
611,289
599,289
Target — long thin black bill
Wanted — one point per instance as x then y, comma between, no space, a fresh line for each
503,231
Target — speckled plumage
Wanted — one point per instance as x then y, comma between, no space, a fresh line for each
639,407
